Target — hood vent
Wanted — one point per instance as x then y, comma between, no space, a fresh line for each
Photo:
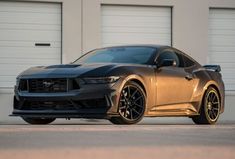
62,66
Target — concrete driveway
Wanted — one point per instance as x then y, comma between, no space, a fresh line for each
91,139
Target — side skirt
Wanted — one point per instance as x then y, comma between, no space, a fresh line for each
182,109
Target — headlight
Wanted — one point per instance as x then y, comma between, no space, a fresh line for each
100,80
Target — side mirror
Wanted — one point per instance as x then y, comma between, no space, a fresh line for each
167,62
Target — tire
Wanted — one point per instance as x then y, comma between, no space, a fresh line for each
131,105
38,121
210,108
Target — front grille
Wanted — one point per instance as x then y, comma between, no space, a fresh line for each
60,105
47,85
50,105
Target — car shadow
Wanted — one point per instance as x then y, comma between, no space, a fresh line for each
101,122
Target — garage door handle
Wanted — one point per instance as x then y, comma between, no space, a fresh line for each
42,44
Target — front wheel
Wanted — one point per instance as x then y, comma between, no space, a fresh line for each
131,105
210,109
38,121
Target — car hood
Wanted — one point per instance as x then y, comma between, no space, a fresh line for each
69,70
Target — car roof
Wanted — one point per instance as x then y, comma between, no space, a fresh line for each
153,46
139,45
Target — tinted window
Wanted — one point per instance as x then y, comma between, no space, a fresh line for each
188,62
181,61
136,55
168,54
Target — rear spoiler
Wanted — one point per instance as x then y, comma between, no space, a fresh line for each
215,68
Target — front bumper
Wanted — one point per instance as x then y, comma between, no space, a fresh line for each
89,113
93,101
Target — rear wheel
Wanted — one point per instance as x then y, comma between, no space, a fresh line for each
131,105
38,121
210,109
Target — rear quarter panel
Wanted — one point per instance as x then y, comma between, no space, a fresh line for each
207,78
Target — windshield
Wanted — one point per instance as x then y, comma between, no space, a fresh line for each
133,55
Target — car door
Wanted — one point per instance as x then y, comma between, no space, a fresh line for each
174,84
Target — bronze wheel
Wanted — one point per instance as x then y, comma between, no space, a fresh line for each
131,106
210,109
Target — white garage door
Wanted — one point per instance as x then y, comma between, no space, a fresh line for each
30,35
135,25
222,43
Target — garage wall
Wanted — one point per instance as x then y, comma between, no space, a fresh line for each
82,31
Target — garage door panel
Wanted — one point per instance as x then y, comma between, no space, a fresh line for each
139,39
143,26
5,84
150,41
222,32
22,24
222,58
129,36
228,85
216,48
222,15
117,20
22,52
218,38
135,25
135,30
31,62
222,43
230,82
14,69
221,27
221,24
10,70
47,27
29,7
37,18
138,25
9,75
227,65
135,11
4,81
228,71
31,35
28,44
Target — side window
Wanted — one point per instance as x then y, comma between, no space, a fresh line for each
168,54
181,61
188,62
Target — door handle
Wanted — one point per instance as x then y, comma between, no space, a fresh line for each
189,77
42,44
